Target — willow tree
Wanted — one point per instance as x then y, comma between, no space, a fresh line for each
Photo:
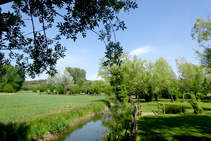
202,33
186,75
165,77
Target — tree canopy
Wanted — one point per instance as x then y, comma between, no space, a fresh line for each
39,52
13,76
202,33
77,74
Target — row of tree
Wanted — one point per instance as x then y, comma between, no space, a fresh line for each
157,79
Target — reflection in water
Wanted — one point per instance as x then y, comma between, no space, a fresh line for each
91,130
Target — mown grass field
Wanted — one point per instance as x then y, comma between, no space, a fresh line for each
26,107
174,127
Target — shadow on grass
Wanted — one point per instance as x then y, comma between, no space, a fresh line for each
167,128
14,132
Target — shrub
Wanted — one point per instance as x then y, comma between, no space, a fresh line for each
34,90
43,88
206,100
175,109
51,89
60,89
200,96
58,124
197,109
69,88
8,88
76,89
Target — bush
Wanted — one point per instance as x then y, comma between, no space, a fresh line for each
206,100
197,109
43,88
51,89
175,109
69,89
58,124
60,89
8,88
200,96
34,90
76,89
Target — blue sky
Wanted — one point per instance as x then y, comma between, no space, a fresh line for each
157,28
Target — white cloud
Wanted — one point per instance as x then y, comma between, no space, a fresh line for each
142,50
94,77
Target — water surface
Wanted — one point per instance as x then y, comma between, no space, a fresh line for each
91,130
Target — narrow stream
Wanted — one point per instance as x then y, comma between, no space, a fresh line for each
91,130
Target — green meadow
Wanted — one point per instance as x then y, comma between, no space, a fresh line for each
174,127
32,116
20,108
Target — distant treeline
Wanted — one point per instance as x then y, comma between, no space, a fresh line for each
34,84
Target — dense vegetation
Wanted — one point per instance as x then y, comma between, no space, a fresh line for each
23,117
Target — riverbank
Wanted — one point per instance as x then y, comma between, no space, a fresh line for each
34,117
50,136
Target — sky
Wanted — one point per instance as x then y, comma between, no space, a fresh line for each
157,28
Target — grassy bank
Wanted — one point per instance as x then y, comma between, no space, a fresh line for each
24,117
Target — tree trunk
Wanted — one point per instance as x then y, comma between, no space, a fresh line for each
172,99
183,96
156,97
146,98
136,96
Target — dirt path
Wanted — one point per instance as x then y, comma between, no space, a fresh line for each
7,94
149,113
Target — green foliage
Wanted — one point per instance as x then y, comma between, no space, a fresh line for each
77,74
80,82
76,89
51,89
58,124
8,88
206,100
174,109
200,96
69,89
43,88
201,32
34,90
119,121
59,89
205,86
13,76
96,86
193,102
38,121
35,84
86,87
118,83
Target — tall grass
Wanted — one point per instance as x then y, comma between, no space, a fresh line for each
175,109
